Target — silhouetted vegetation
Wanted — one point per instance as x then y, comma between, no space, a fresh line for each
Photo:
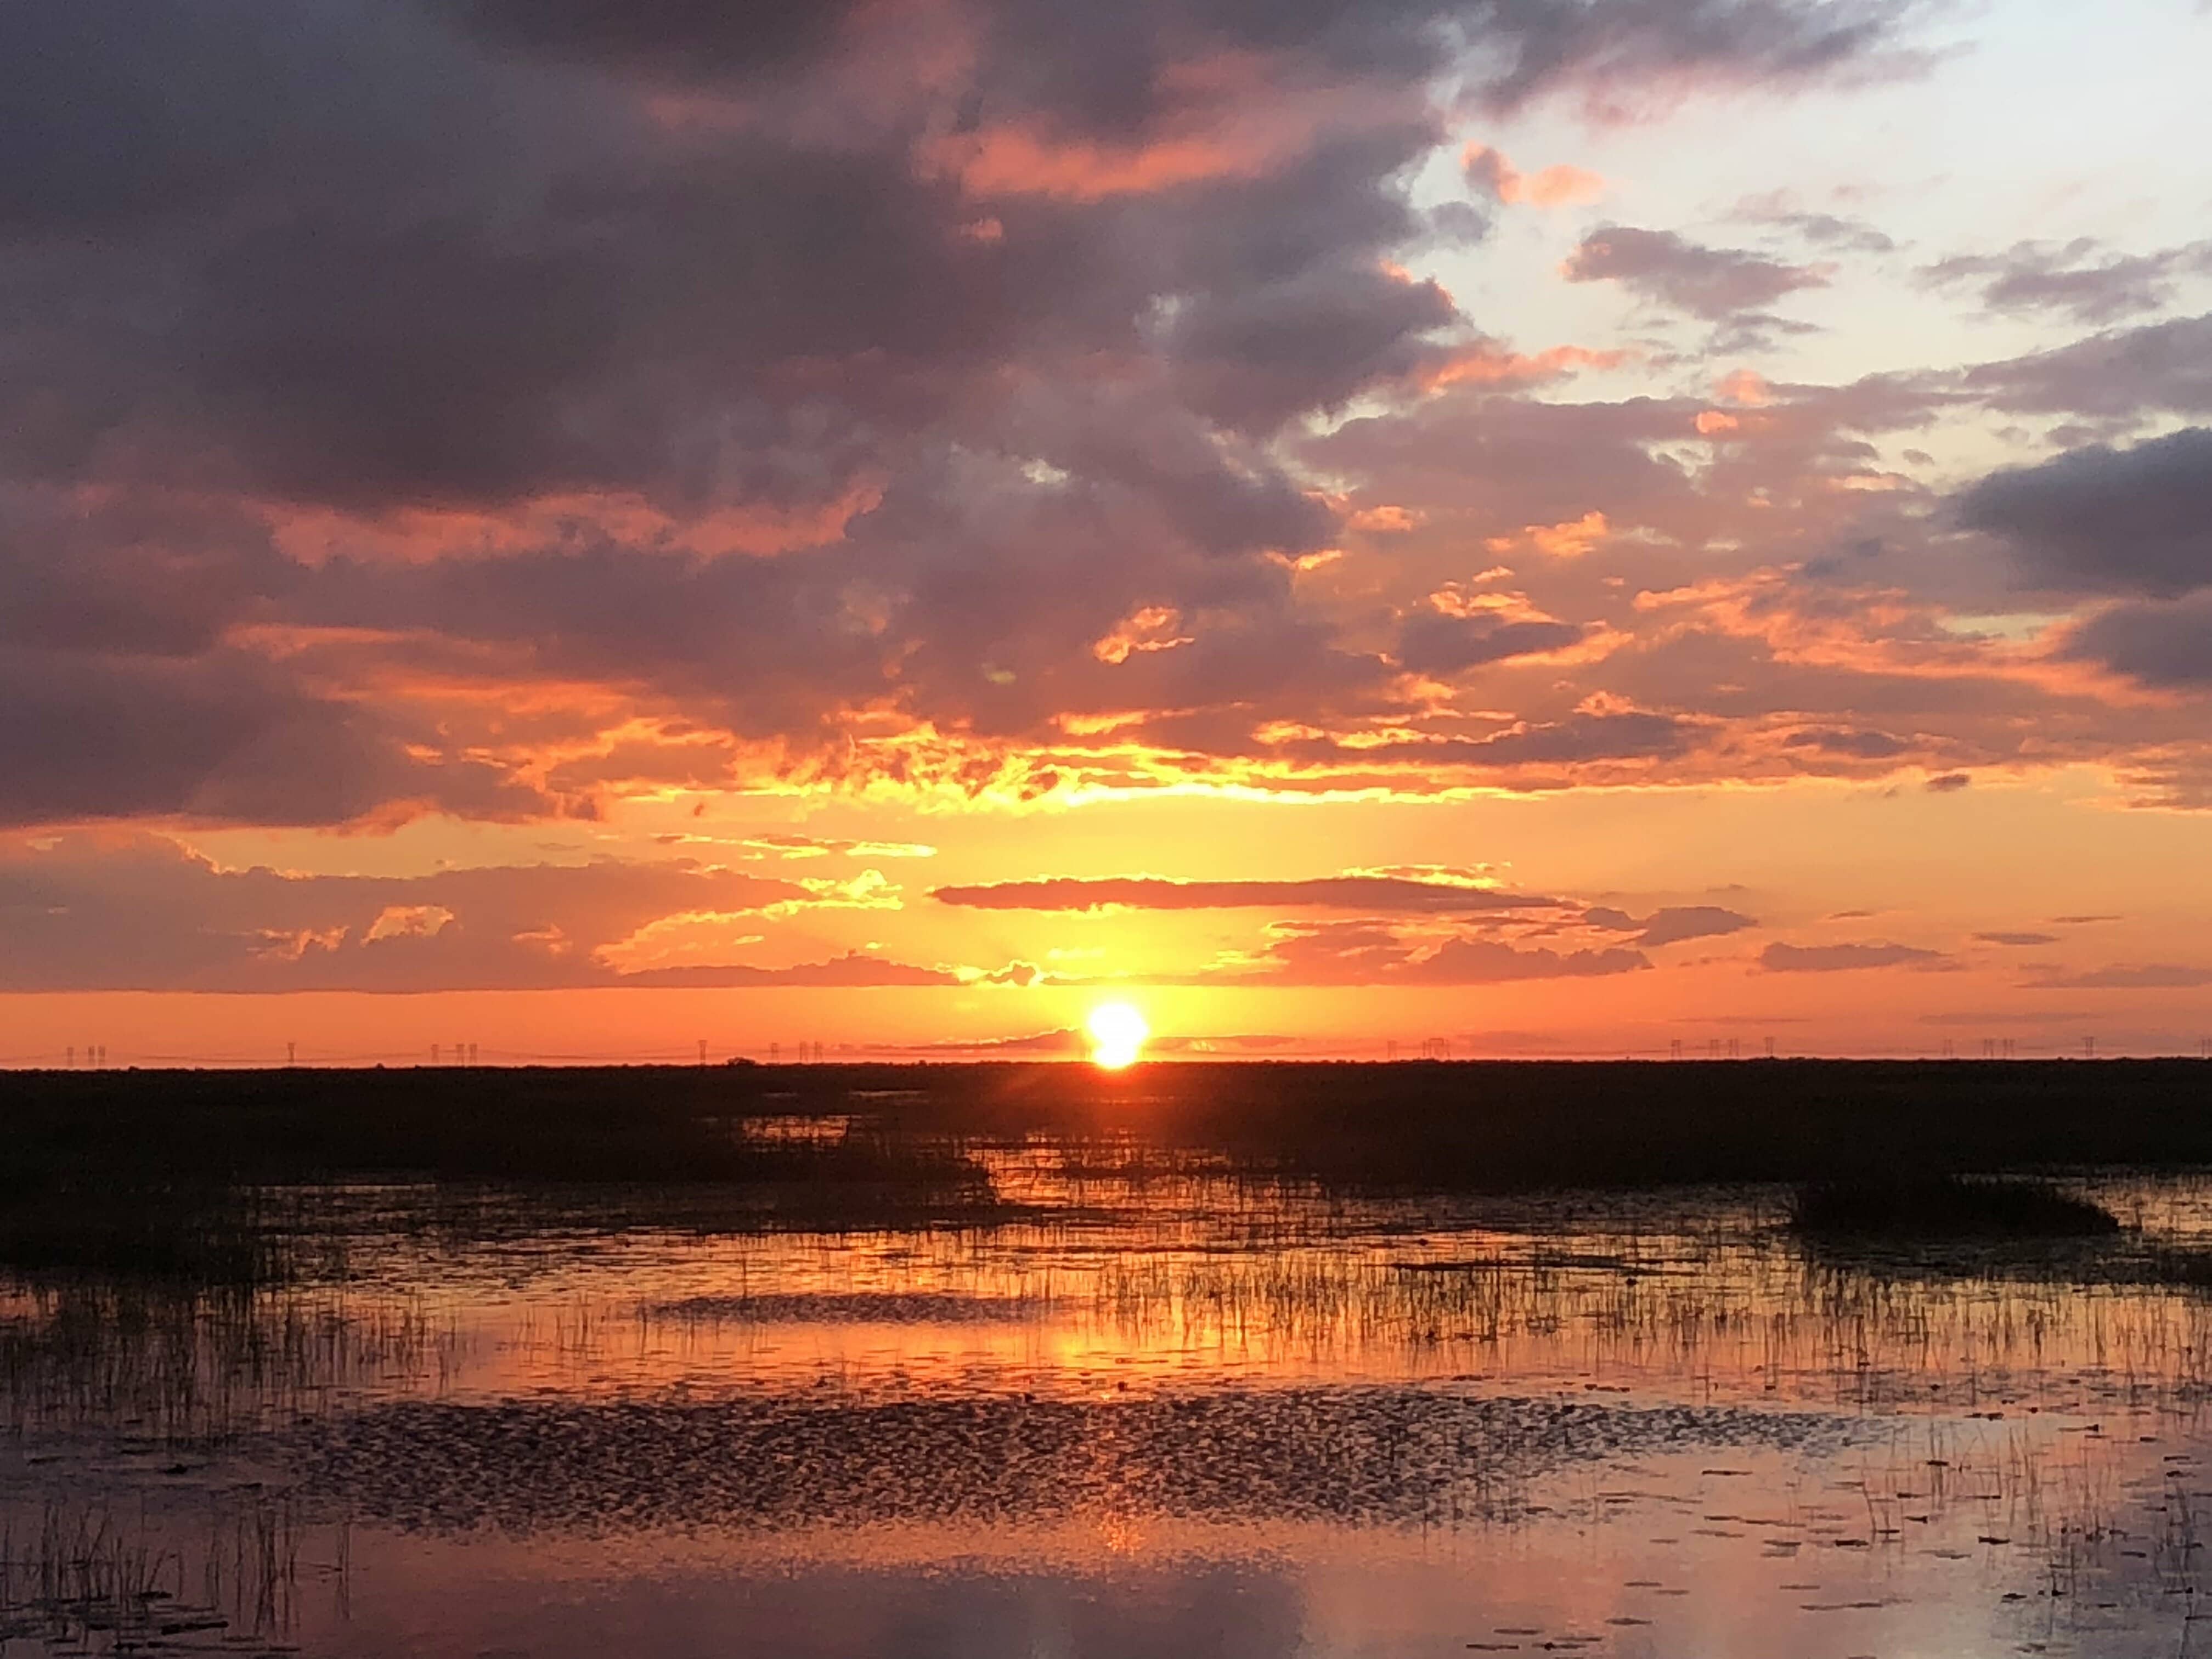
1947,1207
1486,1126
150,1172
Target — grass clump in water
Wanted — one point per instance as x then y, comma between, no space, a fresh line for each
1946,1206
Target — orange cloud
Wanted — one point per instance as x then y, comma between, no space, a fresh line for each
1489,172
1152,627
1570,539
1486,364
1745,386
1015,161
420,535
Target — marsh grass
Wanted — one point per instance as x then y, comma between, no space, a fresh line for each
1946,1207
204,1369
83,1577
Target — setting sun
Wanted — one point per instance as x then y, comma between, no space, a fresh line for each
1118,1032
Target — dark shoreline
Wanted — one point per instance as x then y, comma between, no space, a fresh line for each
1446,1126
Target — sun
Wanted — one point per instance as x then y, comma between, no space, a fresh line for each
1117,1035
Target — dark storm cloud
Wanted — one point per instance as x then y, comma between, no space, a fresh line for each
1374,894
2160,644
1001,330
2078,279
1102,69
2107,520
1715,283
368,252
223,738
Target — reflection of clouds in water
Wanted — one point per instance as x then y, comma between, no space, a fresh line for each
1226,1611
1172,1610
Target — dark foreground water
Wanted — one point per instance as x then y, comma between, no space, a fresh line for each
1173,1416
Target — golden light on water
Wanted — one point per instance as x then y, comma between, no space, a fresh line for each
1118,1032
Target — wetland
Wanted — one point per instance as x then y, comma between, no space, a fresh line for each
848,1361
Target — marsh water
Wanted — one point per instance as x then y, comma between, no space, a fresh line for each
1132,1408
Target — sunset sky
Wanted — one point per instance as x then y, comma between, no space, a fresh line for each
1570,528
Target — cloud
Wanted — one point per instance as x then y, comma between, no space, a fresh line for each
2149,976
1489,173
2016,939
2100,520
2119,375
136,912
1947,783
1715,283
2070,279
1374,894
499,410
1435,643
1672,924
1822,230
1365,952
855,970
1857,744
2160,643
1489,962
811,847
1781,958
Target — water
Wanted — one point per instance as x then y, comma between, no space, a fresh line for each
1148,1415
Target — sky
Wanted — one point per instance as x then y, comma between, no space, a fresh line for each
1551,527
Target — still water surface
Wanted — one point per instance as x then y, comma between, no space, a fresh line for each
1166,1415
